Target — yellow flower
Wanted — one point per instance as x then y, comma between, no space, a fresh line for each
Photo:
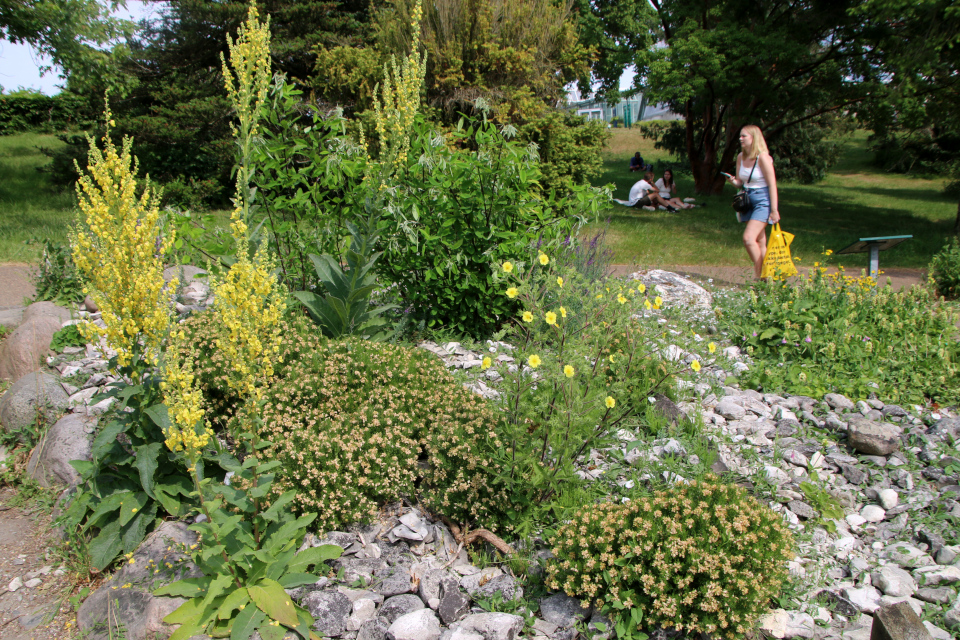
508,267
621,299
658,301
568,371
695,365
512,292
487,363
712,347
828,252
642,288
544,260
559,282
599,296
610,402
647,305
534,361
613,358
551,318
563,312
527,316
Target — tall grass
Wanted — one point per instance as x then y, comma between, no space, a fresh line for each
855,200
30,207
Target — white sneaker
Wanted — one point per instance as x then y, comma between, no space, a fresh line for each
647,207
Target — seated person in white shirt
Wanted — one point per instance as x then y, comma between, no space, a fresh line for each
668,189
645,194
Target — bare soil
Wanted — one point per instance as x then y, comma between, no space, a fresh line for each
27,550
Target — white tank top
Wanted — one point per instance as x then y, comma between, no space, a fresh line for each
758,181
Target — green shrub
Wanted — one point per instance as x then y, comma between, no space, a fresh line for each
838,333
462,204
945,270
56,279
358,424
28,111
701,557
69,336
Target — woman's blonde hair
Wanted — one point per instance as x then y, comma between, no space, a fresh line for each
759,143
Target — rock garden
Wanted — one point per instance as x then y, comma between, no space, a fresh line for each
426,412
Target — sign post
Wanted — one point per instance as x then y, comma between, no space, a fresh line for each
874,246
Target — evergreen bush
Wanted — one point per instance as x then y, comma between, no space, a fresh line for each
945,270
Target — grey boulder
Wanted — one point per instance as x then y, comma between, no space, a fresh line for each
417,625
563,611
330,610
873,438
33,395
25,349
493,626
399,606
69,439
135,609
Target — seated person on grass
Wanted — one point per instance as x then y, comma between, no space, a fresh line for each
637,164
668,189
644,194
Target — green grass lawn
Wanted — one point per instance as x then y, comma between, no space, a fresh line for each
856,200
30,207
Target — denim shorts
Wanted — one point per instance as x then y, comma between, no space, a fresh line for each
759,205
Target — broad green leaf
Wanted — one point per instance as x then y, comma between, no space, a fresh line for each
235,600
105,439
131,505
270,631
293,580
158,414
247,622
148,458
313,556
106,546
270,598
108,504
136,531
186,588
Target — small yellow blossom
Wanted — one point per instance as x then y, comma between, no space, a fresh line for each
695,365
613,358
658,301
512,292
487,363
568,371
712,347
610,402
544,260
527,316
534,361
642,288
621,299
563,312
551,318
508,267
559,282
647,305
828,252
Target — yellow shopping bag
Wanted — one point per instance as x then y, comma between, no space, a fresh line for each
778,263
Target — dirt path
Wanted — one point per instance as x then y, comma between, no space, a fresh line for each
40,611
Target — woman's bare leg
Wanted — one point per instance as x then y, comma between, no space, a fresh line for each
755,241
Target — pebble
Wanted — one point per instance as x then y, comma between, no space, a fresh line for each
15,584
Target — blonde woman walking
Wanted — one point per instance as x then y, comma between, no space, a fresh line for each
755,173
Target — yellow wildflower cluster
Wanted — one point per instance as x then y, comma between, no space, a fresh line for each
119,248
249,305
700,557
247,76
398,101
184,401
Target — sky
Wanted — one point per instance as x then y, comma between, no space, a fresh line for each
20,64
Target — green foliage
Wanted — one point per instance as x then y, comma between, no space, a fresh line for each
131,478
699,556
945,270
569,148
462,204
307,179
248,556
803,153
69,336
357,424
585,368
37,112
345,308
57,279
836,333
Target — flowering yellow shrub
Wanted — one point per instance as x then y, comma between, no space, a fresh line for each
701,557
351,420
119,247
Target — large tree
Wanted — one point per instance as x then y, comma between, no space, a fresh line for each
72,33
919,112
722,64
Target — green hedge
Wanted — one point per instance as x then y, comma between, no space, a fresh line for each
41,113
